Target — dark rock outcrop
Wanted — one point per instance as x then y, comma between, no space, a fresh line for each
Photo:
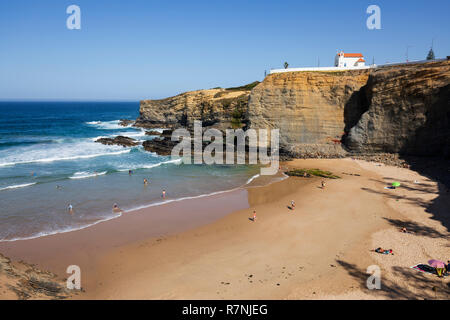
119,140
125,122
152,133
161,146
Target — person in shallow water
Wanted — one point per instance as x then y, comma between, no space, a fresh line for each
116,208
70,208
145,182
163,195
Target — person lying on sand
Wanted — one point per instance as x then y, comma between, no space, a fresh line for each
383,251
404,230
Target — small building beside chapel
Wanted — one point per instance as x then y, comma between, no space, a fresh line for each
349,60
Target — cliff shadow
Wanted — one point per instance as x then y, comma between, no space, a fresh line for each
435,169
439,207
410,284
354,108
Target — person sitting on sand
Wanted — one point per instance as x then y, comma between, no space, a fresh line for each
323,184
383,251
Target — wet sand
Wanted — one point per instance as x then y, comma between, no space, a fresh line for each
198,249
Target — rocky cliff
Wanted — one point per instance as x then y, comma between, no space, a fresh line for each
219,108
308,108
398,109
408,111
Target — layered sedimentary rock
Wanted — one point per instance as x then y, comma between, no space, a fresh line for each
408,111
219,108
308,108
398,109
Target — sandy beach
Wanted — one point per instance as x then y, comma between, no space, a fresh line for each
209,248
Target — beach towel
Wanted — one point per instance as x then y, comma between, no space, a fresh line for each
427,269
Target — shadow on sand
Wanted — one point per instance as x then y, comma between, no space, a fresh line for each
410,283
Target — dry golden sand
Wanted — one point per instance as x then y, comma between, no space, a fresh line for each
320,250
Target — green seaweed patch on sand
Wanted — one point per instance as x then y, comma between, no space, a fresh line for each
311,172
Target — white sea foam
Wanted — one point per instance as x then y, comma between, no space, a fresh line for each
81,149
16,186
64,230
252,178
153,165
86,174
107,125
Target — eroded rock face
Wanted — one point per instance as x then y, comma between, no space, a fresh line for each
408,111
399,109
218,108
119,140
309,109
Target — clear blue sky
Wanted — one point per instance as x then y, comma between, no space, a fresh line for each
137,49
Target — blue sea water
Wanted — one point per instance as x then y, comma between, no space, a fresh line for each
49,159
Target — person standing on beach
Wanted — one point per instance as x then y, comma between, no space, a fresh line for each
163,194
292,204
254,215
323,184
130,172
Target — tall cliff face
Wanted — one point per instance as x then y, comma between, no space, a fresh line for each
408,111
309,109
218,108
399,109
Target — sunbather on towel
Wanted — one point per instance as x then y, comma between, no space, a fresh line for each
383,251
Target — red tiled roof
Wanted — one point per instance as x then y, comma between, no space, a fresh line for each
361,60
353,55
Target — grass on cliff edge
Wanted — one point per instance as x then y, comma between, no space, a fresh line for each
311,172
249,87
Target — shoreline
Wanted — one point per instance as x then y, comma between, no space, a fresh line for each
314,251
133,209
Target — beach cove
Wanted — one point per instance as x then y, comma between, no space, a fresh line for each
209,248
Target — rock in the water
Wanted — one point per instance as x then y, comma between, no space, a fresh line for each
152,133
125,122
119,140
161,146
